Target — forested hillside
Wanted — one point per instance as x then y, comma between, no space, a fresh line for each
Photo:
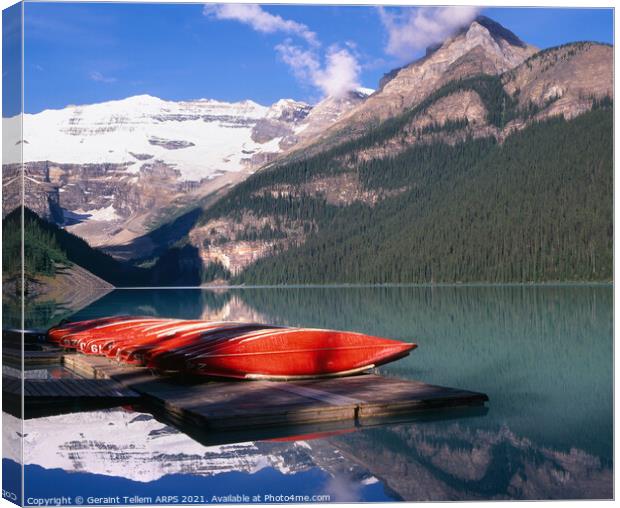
46,246
42,251
536,208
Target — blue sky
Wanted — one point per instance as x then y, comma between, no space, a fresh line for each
80,53
11,60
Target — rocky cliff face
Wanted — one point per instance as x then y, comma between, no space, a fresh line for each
282,119
564,80
325,114
104,202
483,48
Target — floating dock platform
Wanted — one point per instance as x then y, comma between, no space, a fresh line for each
51,396
239,405
66,388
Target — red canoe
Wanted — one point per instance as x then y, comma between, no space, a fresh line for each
138,331
297,354
97,342
140,354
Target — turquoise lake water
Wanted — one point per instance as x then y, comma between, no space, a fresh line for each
543,354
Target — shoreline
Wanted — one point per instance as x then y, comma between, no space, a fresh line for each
387,285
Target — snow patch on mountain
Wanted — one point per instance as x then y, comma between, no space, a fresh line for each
107,214
197,138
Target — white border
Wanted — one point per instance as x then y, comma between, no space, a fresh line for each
484,3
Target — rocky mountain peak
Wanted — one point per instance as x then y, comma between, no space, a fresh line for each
288,110
492,41
481,27
498,31
482,47
483,33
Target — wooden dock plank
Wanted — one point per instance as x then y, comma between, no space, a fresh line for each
41,356
45,389
60,388
32,390
66,388
80,387
313,393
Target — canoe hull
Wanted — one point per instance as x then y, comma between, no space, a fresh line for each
298,354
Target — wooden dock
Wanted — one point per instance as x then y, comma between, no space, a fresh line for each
44,356
34,350
238,405
46,397
64,389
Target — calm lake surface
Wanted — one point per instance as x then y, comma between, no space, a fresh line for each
543,354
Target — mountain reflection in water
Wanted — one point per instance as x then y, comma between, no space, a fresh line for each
543,354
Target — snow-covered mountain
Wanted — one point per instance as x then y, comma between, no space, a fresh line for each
109,171
196,138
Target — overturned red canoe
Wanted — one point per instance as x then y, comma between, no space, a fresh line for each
104,337
152,334
103,343
297,353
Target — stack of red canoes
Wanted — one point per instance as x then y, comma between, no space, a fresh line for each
228,349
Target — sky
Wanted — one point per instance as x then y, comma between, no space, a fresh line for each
82,53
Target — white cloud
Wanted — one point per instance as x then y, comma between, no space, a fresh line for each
97,76
334,71
303,62
336,76
259,19
414,29
340,74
